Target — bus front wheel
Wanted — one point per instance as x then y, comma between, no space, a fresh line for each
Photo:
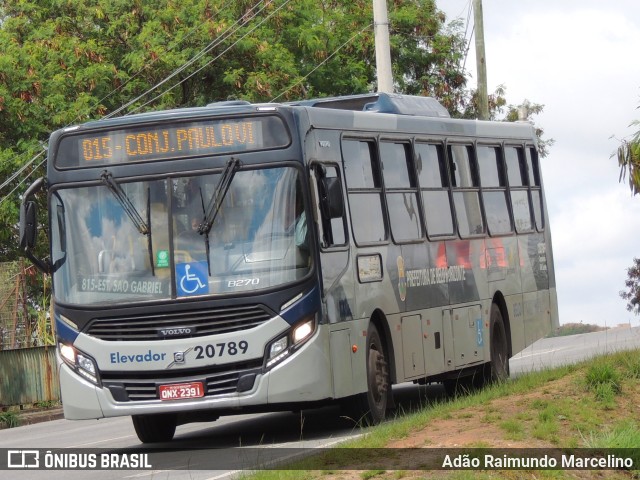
155,428
371,406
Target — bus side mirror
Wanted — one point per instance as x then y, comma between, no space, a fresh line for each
332,202
28,225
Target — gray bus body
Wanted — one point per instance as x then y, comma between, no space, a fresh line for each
427,257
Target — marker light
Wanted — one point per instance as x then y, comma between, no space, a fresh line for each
68,322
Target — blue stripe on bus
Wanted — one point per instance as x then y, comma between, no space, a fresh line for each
307,305
65,333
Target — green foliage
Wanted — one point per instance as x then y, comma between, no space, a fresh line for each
69,61
371,474
624,435
566,419
632,293
514,429
44,323
9,419
47,404
628,155
574,329
631,366
65,62
525,111
605,381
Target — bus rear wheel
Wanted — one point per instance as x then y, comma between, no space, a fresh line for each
371,406
497,370
155,428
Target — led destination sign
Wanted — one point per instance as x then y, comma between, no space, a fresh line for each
168,142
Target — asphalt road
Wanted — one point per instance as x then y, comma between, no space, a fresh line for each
558,351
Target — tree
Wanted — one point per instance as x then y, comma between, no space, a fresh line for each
68,61
628,155
525,111
632,293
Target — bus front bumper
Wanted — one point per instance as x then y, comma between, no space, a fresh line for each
305,376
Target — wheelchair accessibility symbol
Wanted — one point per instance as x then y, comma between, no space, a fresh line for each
192,278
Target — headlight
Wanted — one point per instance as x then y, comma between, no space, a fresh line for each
68,353
80,362
302,332
291,341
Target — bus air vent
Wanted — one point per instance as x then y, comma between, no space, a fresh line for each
171,325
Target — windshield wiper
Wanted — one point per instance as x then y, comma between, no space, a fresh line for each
215,203
125,202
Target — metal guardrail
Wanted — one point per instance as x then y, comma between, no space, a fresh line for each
28,376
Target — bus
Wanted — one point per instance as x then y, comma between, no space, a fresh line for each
247,257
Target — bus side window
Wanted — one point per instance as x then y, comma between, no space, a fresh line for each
494,189
466,194
402,192
364,189
534,185
434,185
517,176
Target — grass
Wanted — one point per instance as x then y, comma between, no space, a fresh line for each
47,404
9,419
548,407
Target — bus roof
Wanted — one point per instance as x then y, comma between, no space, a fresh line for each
369,112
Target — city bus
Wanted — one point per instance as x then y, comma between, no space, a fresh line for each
247,257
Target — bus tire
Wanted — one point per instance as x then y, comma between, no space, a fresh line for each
497,369
155,428
370,407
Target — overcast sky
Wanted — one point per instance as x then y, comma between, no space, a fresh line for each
580,60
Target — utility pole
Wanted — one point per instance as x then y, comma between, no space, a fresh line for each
383,50
481,63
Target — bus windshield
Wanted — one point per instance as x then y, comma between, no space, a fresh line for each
257,240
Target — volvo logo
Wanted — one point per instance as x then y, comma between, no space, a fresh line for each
176,331
178,357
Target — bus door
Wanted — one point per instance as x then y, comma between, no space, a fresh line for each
337,278
328,200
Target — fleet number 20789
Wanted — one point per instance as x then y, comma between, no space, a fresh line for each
220,349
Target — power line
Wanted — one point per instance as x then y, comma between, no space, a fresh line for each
323,62
153,61
202,52
21,182
468,44
212,60
194,59
18,172
218,56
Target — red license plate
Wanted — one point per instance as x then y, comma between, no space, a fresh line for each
179,391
